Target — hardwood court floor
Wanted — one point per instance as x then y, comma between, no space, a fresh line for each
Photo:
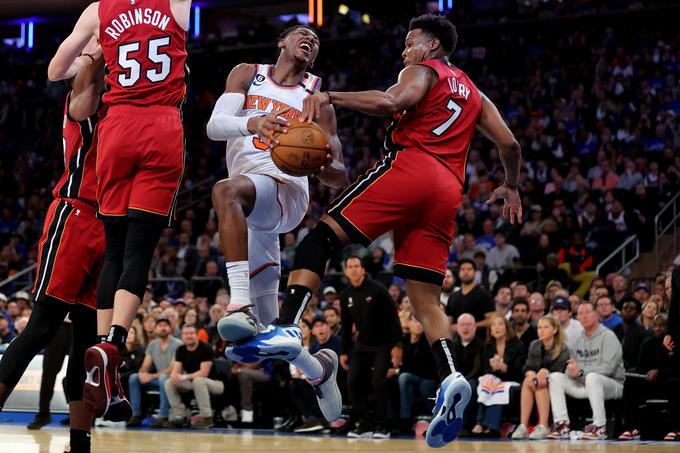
17,439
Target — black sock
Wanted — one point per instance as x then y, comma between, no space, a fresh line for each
80,441
117,336
444,357
294,304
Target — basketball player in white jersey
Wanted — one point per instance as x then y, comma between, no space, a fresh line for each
258,201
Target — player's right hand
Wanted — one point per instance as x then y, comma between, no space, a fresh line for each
267,127
512,206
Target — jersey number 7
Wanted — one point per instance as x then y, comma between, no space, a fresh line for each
457,110
133,67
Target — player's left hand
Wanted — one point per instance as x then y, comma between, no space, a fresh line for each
312,105
512,205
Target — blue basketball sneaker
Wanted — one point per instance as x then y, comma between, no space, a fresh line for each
452,397
274,342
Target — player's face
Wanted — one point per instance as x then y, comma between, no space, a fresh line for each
302,44
417,46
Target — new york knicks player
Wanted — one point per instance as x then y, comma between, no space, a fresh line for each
415,191
141,155
70,257
259,201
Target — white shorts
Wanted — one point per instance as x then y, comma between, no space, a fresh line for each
279,207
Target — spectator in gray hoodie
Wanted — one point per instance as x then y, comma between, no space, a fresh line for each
595,371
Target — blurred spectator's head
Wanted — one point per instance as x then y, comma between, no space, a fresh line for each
551,289
329,293
212,269
157,311
660,325
190,317
642,292
414,326
520,290
449,282
668,285
216,313
20,324
222,299
651,307
354,270
332,316
405,321
619,283
520,311
536,306
180,307
499,329
405,304
306,329
13,310
480,259
466,271
395,292
548,329
321,330
588,316
163,327
190,335
503,299
337,304
630,309
183,239
172,316
605,307
499,237
560,308
466,327
4,324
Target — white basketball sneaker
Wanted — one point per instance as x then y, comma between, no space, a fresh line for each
239,323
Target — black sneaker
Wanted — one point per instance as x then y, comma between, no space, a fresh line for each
291,424
39,421
382,431
363,430
134,422
310,426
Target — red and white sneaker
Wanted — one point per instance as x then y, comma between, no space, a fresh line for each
120,409
560,430
672,436
101,376
632,434
594,432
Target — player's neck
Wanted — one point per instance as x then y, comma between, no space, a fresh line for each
287,72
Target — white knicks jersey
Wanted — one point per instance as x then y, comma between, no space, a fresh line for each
249,154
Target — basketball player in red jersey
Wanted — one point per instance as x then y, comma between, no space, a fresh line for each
414,191
141,155
70,257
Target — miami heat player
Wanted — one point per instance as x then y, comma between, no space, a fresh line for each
415,191
141,155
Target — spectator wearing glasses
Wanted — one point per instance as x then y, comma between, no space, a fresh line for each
605,310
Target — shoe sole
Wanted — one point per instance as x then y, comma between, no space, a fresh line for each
312,429
231,328
331,412
120,410
448,420
97,395
279,344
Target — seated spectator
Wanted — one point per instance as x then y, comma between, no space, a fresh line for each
548,354
469,347
551,289
503,300
132,356
20,325
553,272
605,310
594,372
191,318
525,332
654,364
560,309
503,358
332,316
650,309
503,254
192,370
642,292
248,375
483,271
577,261
520,290
536,307
470,298
148,332
159,355
630,333
6,333
417,373
575,300
619,290
216,313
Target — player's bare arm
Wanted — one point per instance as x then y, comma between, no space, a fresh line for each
87,90
181,10
333,174
491,124
68,60
224,124
413,83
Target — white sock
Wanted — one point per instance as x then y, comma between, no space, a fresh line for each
309,365
238,273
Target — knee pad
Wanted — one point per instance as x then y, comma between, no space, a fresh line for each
140,243
317,248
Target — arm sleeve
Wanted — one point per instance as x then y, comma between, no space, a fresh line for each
223,123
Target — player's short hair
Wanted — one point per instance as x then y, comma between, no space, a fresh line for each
438,27
284,34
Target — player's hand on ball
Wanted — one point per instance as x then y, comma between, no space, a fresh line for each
512,205
312,105
267,127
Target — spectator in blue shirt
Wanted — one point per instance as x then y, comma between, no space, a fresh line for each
605,309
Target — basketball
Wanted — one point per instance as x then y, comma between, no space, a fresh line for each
302,151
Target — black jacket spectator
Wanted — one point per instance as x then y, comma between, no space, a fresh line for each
469,357
417,358
538,358
514,357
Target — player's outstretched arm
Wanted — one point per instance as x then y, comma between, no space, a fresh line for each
68,60
414,82
333,174
225,124
87,91
491,124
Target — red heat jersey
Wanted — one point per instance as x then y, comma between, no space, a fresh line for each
145,52
80,159
443,123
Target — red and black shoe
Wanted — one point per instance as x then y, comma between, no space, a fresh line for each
101,370
120,409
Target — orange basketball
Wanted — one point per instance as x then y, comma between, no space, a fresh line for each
302,151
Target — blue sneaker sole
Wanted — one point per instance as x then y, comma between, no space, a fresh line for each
277,343
448,415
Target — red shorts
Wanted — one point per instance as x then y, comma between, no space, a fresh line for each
413,194
70,253
140,161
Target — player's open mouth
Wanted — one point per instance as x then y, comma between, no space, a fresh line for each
306,47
